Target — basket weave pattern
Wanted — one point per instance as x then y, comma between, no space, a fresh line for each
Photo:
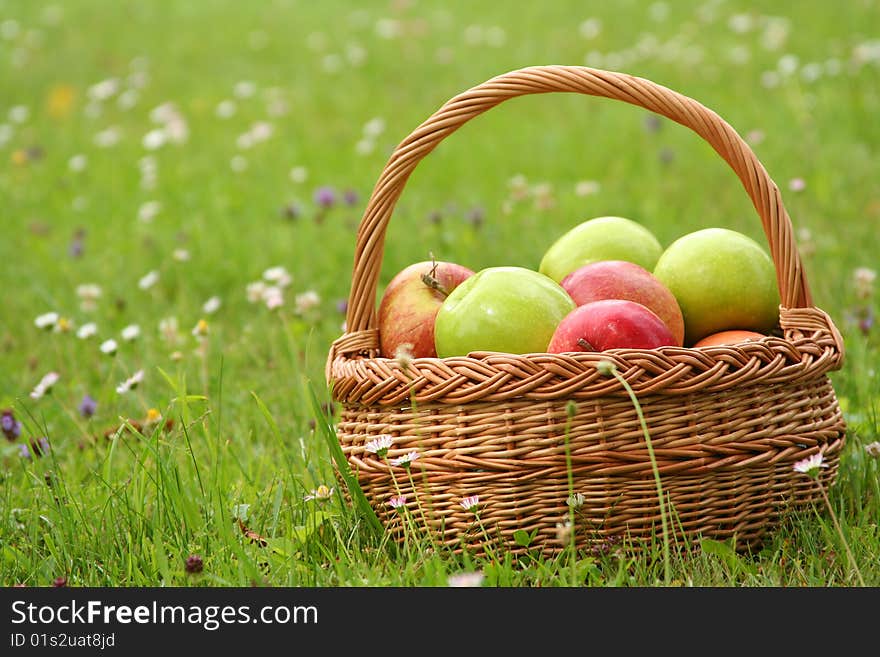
726,422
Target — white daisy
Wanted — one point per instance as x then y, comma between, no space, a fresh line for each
274,297
200,330
306,301
406,459
379,446
244,89
466,579
255,291
321,493
810,465
261,131
131,332
103,90
87,331
45,385
19,113
397,502
470,503
374,127
299,174
77,162
148,280
88,293
168,329
148,211
46,321
575,500
130,383
177,130
211,306
225,109
278,275
108,137
154,139
127,99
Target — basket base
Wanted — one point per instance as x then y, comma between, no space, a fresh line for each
743,508
725,462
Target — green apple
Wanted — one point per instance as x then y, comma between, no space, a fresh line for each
601,238
722,280
508,309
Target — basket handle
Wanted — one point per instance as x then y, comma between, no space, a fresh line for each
361,313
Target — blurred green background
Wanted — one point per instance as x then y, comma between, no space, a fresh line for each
209,141
800,79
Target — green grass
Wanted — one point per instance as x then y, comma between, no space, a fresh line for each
109,506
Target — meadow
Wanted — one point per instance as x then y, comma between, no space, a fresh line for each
181,185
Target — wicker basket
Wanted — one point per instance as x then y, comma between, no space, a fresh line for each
524,432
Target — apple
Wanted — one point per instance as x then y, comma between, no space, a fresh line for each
507,309
619,279
610,324
732,336
601,238
723,280
410,303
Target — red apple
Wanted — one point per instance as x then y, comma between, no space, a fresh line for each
610,324
731,336
410,303
618,279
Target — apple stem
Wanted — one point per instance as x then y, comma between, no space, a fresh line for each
434,284
586,345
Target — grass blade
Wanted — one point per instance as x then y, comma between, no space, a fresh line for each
357,495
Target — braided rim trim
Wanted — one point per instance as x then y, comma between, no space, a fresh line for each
810,349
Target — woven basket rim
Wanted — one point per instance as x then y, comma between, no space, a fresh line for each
810,347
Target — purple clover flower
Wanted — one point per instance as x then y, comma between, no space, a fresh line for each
194,564
325,197
77,244
34,448
653,123
76,248
866,322
9,425
291,211
342,306
87,406
350,197
38,447
475,216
